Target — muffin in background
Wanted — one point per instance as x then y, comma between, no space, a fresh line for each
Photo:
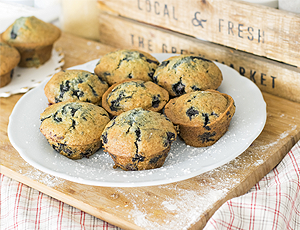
9,59
120,65
75,85
33,38
131,94
74,128
187,73
139,139
203,116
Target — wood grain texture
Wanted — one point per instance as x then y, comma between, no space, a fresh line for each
183,205
244,26
270,76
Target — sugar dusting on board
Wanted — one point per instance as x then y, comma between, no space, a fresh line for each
190,205
283,135
181,206
46,179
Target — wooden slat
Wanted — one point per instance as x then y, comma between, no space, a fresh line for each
244,26
184,205
270,76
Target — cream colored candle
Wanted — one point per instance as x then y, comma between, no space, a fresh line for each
270,3
80,17
290,5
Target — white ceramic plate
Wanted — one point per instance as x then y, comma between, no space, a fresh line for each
183,161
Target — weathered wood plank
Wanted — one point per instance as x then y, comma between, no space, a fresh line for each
270,76
257,29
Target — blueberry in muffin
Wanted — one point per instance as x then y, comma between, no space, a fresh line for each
203,116
131,94
138,139
33,38
187,73
74,128
75,85
126,64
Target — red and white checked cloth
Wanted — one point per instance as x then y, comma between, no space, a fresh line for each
273,203
24,208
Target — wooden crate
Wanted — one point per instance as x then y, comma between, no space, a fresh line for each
257,29
122,27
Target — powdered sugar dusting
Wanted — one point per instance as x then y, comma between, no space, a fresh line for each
264,147
189,206
258,162
46,179
181,206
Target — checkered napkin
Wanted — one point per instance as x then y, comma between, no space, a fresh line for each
273,203
24,208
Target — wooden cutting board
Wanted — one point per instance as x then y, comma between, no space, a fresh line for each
183,205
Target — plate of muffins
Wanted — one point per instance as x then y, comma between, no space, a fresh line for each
135,119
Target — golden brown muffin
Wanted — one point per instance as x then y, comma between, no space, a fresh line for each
74,128
33,38
203,116
126,64
139,139
75,85
187,73
9,59
131,94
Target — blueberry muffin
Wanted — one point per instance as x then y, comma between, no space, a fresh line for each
187,73
74,128
131,94
75,85
139,139
126,64
33,38
203,116
9,59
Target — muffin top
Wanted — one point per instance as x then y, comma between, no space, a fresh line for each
31,32
75,85
73,123
187,73
131,94
199,108
9,58
138,132
126,64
